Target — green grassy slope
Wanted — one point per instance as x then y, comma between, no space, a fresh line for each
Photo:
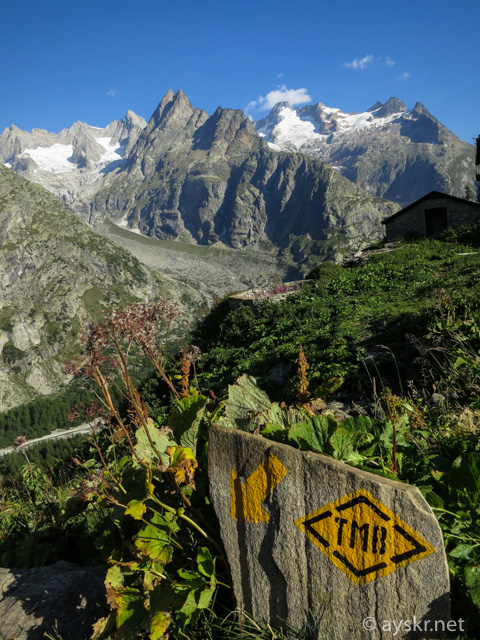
344,322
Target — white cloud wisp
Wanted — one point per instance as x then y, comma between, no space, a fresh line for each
359,63
281,94
363,63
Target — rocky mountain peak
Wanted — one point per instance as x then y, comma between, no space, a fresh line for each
376,106
163,107
279,107
276,115
173,107
126,132
227,130
420,110
351,143
132,120
391,106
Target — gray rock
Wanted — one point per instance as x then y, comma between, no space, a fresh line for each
313,543
63,600
279,372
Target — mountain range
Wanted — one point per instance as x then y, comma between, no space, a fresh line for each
311,181
225,178
390,151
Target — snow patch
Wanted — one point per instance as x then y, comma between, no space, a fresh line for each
293,129
363,120
124,224
112,151
329,110
7,164
110,160
54,159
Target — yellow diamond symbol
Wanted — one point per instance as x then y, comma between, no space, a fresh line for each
363,538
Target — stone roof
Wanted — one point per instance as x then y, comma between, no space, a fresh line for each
433,195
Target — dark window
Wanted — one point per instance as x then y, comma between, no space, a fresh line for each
436,220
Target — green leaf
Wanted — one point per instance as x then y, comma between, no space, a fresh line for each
205,561
245,402
432,498
136,509
354,458
155,544
161,438
327,387
314,434
123,463
465,473
114,578
130,603
386,436
275,414
205,598
274,432
364,424
461,551
186,418
472,582
158,625
342,444
167,519
188,575
189,606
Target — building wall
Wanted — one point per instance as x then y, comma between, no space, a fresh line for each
413,220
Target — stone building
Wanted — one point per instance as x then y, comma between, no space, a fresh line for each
430,215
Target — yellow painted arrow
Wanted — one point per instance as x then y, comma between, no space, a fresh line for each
246,498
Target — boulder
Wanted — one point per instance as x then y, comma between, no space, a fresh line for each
63,600
318,545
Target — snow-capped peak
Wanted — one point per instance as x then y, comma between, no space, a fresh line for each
308,127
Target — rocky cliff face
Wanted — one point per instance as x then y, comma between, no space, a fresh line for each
389,151
55,277
212,179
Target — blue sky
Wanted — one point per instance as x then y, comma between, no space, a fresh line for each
67,60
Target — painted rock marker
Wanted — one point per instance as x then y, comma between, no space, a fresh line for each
247,498
363,538
316,544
